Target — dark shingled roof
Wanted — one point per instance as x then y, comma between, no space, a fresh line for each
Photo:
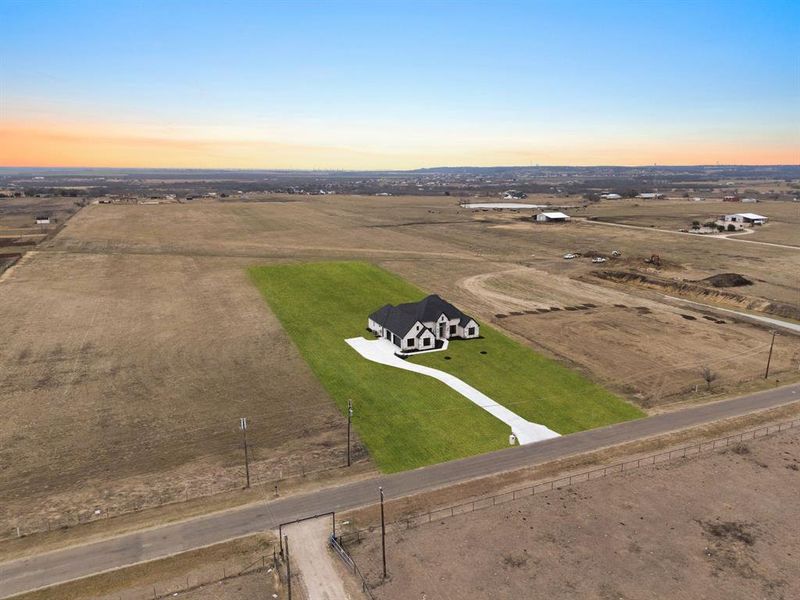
400,319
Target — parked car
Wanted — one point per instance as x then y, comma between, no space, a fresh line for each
599,259
570,256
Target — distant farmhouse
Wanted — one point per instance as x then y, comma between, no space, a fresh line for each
552,217
610,196
43,220
745,219
650,196
420,325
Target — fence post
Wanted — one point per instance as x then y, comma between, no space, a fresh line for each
288,566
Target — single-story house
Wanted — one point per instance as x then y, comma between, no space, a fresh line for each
552,217
43,220
650,196
746,218
610,196
418,325
749,200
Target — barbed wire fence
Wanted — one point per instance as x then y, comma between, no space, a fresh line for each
263,564
410,521
266,480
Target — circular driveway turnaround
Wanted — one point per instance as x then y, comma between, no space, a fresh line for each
381,351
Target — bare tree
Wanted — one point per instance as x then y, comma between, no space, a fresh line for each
709,376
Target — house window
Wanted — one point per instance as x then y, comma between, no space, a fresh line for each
452,329
411,343
424,342
471,331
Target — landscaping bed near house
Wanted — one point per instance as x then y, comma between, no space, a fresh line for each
407,420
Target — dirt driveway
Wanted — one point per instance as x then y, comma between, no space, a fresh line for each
321,575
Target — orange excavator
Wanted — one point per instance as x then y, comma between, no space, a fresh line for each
654,260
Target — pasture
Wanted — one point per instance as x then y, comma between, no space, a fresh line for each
133,340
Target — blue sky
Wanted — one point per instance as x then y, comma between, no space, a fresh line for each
363,84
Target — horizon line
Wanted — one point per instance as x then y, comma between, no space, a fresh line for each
368,170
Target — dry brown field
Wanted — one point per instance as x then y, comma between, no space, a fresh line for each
782,228
18,229
133,340
721,525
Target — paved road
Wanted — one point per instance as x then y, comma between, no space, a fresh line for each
79,561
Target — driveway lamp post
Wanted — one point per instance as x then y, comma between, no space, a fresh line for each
349,421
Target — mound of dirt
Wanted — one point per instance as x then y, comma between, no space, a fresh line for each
726,280
594,254
699,291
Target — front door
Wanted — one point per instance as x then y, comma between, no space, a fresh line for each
442,330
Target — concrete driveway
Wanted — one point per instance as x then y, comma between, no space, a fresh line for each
381,351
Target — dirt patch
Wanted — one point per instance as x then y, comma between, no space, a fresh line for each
697,291
726,280
666,530
638,346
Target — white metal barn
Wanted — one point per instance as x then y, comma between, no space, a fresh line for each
745,219
419,325
552,217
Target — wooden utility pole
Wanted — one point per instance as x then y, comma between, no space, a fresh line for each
243,427
349,421
769,358
383,534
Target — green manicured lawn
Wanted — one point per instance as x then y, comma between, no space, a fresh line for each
533,386
405,419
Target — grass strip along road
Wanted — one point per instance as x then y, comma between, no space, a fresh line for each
407,420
